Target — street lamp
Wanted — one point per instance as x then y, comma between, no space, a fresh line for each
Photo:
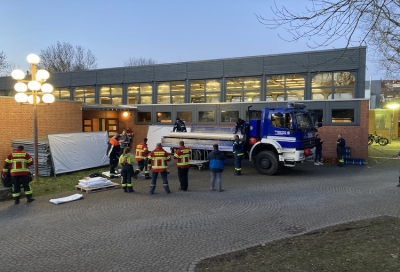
35,85
393,107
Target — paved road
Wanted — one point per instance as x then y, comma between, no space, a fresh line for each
116,231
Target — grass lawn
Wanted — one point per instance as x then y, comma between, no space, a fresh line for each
367,245
62,183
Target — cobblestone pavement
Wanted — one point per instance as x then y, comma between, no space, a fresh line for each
116,231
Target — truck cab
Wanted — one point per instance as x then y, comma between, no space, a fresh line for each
281,137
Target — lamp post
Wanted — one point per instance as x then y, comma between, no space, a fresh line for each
393,107
35,85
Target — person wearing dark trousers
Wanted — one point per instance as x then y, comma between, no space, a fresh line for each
340,149
318,150
113,152
179,125
217,161
141,157
158,159
17,163
240,126
182,154
238,152
126,161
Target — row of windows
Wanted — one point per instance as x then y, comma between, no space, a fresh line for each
323,86
337,116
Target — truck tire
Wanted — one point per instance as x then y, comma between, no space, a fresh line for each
266,163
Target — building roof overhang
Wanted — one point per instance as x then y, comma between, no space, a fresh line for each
108,107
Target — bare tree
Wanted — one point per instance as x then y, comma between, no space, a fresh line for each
378,21
63,57
139,62
4,65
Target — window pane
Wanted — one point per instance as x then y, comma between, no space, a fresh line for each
164,117
178,86
234,84
105,91
144,117
116,90
213,98
197,86
343,79
206,116
116,100
163,99
185,116
105,100
89,100
342,115
278,121
146,88
295,82
132,100
163,88
146,100
62,94
295,95
229,116
321,93
276,82
343,93
234,96
318,115
178,99
213,85
322,79
133,89
198,98
251,96
252,83
275,88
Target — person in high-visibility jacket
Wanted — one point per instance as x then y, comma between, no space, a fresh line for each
113,151
18,163
238,152
141,154
182,154
158,159
126,161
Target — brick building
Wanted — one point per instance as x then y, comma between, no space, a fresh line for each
212,92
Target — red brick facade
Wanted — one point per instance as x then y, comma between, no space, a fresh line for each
356,136
16,120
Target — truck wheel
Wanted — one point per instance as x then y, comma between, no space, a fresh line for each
266,163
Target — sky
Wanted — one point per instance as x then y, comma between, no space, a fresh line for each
167,31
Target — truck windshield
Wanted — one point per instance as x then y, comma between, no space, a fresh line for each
304,121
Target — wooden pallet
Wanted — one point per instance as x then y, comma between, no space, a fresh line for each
92,190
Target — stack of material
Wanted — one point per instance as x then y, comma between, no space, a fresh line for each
45,164
96,182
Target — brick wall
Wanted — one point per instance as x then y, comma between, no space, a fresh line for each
16,121
356,136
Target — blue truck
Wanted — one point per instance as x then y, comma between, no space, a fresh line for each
274,138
